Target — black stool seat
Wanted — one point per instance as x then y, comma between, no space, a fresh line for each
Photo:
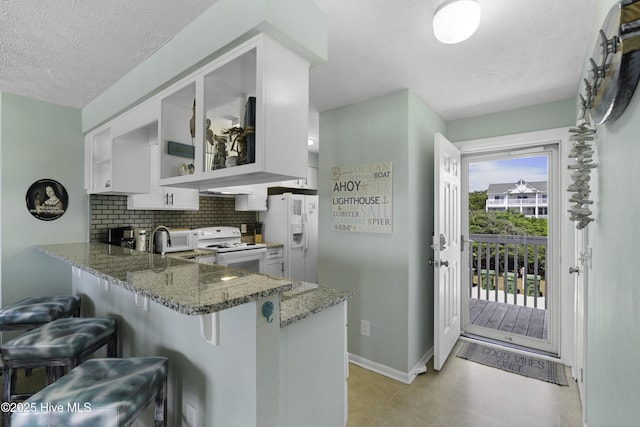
62,343
32,312
106,393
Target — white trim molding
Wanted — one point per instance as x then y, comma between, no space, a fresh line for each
513,142
404,377
531,142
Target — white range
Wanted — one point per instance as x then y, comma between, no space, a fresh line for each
228,249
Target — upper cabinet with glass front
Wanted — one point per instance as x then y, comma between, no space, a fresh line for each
241,119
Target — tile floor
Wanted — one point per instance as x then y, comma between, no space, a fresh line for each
464,393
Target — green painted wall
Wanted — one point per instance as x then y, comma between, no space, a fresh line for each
388,272
298,24
38,140
537,117
613,314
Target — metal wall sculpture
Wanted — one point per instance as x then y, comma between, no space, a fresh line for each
615,64
608,88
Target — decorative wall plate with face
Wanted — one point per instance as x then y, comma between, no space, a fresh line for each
47,199
615,64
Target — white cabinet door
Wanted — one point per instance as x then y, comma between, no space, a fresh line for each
254,200
274,264
160,197
181,198
312,178
275,268
308,183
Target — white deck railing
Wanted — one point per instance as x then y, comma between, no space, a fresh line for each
517,261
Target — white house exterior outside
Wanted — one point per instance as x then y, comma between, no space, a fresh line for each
529,198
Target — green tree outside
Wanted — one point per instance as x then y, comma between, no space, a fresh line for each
509,222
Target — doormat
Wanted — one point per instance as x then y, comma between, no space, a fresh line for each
527,366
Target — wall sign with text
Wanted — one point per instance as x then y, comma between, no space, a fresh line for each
361,198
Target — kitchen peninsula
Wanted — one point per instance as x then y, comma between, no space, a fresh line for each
232,361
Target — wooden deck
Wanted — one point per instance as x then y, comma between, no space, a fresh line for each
527,321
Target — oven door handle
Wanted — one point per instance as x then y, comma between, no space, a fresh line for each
233,256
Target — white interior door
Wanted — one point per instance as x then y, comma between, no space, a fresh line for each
446,249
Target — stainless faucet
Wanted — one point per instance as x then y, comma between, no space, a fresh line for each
153,235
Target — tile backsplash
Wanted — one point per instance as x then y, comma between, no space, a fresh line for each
107,211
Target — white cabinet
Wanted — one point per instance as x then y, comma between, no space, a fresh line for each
197,110
255,198
309,183
160,197
259,84
117,157
275,262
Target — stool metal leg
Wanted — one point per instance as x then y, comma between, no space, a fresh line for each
8,386
160,414
8,382
112,345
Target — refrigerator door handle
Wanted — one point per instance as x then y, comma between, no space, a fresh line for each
305,232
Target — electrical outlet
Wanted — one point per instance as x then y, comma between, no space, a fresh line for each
365,328
190,416
243,228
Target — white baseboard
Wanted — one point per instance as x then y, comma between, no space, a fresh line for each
403,377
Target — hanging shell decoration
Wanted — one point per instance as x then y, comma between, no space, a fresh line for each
582,152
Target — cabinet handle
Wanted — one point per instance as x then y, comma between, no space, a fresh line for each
171,199
282,267
166,199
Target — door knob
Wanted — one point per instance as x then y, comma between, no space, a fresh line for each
574,270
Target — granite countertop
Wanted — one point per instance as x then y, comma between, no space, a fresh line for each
180,284
305,299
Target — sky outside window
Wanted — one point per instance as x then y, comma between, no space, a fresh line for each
503,171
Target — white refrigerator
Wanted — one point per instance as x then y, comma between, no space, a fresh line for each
292,219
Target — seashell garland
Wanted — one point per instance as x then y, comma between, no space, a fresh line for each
582,152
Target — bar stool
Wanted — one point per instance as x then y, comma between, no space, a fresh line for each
60,344
30,313
100,392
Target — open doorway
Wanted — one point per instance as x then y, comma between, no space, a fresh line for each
509,217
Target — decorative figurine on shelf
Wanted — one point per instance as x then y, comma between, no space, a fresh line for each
220,156
237,136
218,146
209,132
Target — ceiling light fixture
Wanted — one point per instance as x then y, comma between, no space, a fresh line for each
456,20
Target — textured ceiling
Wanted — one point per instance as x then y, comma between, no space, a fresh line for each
525,52
70,51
